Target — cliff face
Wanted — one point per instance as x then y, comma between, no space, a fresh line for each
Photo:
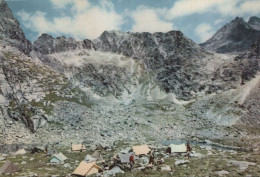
10,31
235,37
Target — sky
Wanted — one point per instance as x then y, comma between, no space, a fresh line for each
88,19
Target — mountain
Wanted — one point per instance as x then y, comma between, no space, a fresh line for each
10,30
254,22
234,37
122,87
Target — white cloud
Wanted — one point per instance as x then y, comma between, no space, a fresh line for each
187,7
60,4
218,21
148,20
87,21
223,7
204,31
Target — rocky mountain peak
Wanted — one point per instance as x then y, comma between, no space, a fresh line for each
239,22
234,37
10,30
254,22
5,10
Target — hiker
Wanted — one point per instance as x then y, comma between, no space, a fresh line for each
161,161
132,161
151,159
116,159
168,150
188,150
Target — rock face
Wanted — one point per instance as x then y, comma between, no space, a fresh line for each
250,61
170,56
254,22
10,31
46,44
235,37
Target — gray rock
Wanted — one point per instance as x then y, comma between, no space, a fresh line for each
243,165
89,158
181,162
166,168
222,173
67,165
113,172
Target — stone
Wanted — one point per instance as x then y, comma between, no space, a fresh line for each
113,172
243,165
166,168
89,158
222,173
181,162
67,165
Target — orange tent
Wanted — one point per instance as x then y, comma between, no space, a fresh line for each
141,150
85,169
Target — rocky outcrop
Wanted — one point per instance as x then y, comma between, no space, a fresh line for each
46,44
10,30
235,37
250,61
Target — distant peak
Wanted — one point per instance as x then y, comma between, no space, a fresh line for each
238,19
5,10
254,20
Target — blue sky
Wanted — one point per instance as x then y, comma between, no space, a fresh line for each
197,19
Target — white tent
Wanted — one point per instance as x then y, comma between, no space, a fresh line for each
178,148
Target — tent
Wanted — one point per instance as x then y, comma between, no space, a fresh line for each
9,167
180,148
141,150
58,158
124,158
78,147
85,169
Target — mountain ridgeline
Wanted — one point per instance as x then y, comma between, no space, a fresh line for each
58,85
234,37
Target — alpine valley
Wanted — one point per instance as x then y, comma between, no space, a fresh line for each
129,87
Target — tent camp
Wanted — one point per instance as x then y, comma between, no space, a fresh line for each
141,150
85,169
180,148
78,147
124,158
9,167
58,158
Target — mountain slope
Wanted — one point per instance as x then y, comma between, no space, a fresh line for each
234,37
